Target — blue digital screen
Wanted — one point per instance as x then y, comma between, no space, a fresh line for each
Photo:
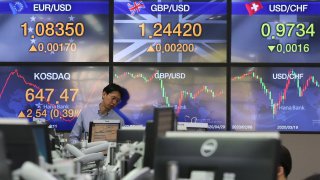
275,31
198,94
59,31
56,94
275,99
179,31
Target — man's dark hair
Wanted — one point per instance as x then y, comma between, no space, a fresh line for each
113,87
285,160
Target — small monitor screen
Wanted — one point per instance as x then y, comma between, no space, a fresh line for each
164,119
103,131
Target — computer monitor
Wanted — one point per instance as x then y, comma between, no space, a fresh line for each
20,144
103,130
42,139
226,155
149,145
164,120
130,135
4,168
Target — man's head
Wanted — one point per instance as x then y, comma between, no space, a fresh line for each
285,165
111,96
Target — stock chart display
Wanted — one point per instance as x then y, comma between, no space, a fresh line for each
57,94
59,31
198,94
170,31
275,31
275,99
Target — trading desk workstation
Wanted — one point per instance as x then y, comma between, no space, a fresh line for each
160,150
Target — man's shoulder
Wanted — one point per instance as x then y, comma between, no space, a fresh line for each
89,112
113,113
90,108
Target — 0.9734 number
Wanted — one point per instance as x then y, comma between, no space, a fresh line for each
288,29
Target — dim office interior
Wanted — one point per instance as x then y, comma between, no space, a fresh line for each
212,88
164,149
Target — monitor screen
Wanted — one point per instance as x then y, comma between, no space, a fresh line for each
198,94
275,31
54,31
20,144
275,99
41,135
234,155
149,145
54,93
130,135
4,166
104,130
164,120
180,31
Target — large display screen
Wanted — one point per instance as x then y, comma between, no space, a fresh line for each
59,31
56,93
170,31
275,31
198,94
251,65
275,99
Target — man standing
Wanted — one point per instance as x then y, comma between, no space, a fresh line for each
111,97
